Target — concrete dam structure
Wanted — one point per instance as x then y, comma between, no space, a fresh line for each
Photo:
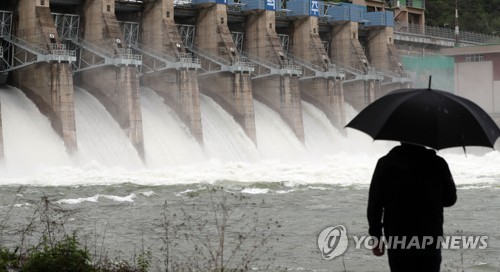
276,52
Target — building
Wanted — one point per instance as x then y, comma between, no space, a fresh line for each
477,75
406,12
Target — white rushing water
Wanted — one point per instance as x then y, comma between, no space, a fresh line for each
276,141
100,138
35,154
30,143
223,138
167,141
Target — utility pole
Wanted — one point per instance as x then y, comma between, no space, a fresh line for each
457,39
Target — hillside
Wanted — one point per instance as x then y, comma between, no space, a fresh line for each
481,16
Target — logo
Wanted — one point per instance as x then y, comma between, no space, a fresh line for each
332,242
423,242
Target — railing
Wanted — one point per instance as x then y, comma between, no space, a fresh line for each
260,61
243,62
289,65
349,69
240,64
405,76
60,50
305,63
188,58
203,53
154,53
57,52
446,33
128,54
130,1
90,46
267,68
182,2
410,3
22,43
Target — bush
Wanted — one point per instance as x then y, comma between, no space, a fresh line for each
64,255
8,260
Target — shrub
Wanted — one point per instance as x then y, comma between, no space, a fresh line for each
64,255
8,260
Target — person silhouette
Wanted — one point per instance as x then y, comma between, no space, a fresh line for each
410,187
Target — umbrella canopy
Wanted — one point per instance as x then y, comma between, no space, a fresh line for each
433,118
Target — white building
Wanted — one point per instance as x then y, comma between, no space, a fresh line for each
477,75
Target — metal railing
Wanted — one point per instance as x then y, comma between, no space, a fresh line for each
260,61
26,45
182,3
128,54
290,65
153,61
60,50
130,1
212,57
445,33
92,47
55,49
188,58
239,64
267,68
348,69
243,62
305,63
393,76
154,53
407,3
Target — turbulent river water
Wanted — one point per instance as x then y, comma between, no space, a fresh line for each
118,202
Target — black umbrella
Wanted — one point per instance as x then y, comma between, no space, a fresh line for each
433,118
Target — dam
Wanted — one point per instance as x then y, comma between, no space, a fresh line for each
238,55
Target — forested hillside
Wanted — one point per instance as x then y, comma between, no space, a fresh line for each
482,16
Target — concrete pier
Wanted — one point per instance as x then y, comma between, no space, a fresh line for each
361,93
280,92
325,93
383,55
116,87
345,48
178,87
232,90
48,85
378,47
382,52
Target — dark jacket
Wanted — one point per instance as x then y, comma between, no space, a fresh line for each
409,188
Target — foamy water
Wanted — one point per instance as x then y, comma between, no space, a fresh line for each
95,198
174,157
